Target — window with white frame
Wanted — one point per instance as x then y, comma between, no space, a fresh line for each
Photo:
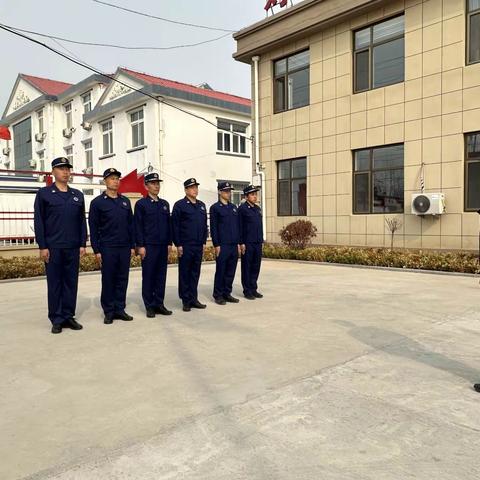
69,154
41,125
88,154
87,102
232,137
68,114
107,134
137,124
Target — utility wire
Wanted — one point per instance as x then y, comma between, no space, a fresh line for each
136,12
158,98
112,45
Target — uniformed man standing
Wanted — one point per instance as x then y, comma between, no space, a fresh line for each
61,234
251,240
112,237
153,239
224,229
189,229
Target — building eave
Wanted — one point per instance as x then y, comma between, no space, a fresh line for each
295,23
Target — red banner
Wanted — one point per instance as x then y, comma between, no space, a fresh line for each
5,133
132,183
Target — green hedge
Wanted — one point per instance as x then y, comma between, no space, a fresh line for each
23,267
380,257
32,266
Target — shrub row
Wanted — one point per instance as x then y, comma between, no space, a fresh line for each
380,257
23,267
32,266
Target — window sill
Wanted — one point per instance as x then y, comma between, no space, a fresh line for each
290,216
380,213
230,154
291,109
356,92
136,149
104,157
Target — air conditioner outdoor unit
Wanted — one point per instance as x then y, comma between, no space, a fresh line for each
67,132
88,171
87,126
40,137
428,204
6,151
33,163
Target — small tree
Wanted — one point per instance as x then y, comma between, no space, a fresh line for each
298,234
393,224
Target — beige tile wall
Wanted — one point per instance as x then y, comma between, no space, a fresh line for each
429,112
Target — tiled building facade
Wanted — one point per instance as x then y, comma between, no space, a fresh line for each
360,104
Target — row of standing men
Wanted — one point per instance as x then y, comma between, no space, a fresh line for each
116,234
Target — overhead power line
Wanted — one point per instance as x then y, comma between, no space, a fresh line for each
158,98
136,12
111,45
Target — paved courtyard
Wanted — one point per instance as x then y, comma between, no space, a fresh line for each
337,374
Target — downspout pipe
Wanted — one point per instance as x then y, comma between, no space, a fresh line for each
256,140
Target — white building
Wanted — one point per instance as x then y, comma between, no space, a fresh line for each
99,123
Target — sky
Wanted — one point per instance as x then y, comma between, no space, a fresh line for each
86,20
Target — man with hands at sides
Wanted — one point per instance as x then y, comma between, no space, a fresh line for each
224,229
61,234
112,238
153,238
189,229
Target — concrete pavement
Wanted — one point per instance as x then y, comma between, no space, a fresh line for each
336,374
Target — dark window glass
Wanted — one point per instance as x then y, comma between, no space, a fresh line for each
388,157
473,28
388,191
292,82
362,73
474,39
379,188
362,38
473,186
226,142
235,143
472,172
389,63
298,89
362,160
243,145
22,142
361,189
299,197
283,198
380,54
219,141
292,187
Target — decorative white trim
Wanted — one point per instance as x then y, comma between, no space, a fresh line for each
119,90
20,100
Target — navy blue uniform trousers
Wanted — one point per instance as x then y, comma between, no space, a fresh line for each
189,265
225,270
251,262
62,283
115,270
154,275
